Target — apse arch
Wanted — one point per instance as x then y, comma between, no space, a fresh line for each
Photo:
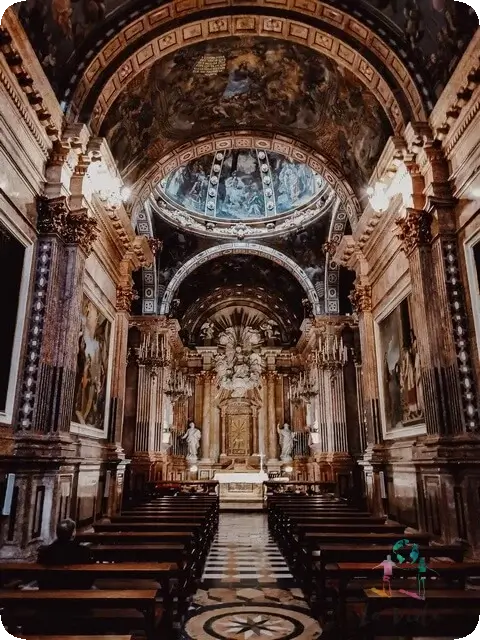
240,248
317,26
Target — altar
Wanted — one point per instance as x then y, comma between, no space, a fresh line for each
241,490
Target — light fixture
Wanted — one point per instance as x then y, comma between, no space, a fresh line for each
381,194
109,188
193,468
288,470
379,197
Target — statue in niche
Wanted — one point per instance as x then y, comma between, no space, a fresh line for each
192,436
207,331
270,331
287,439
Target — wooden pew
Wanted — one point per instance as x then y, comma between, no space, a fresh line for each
146,552
162,573
35,608
445,612
343,573
78,637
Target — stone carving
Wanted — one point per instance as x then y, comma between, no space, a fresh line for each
125,296
193,437
270,330
415,229
287,439
51,216
82,229
361,297
207,331
238,365
239,230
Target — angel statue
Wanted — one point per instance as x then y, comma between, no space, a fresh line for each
287,439
192,436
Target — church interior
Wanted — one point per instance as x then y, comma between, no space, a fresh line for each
239,372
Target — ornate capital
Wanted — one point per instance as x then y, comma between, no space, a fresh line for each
51,215
126,294
361,298
81,229
415,229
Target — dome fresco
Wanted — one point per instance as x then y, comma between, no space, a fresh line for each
247,184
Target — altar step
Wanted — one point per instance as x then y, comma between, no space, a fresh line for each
243,506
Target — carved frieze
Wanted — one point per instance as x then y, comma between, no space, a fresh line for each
415,229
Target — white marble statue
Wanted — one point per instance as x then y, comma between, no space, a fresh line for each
192,436
287,438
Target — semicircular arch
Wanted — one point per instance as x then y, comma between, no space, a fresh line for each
240,248
150,38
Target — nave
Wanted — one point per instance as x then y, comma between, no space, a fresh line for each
174,568
247,589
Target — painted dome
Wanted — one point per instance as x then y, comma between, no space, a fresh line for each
245,184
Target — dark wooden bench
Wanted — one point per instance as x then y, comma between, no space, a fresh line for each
442,612
64,611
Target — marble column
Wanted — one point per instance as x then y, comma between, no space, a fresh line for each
435,298
206,418
271,418
362,302
65,240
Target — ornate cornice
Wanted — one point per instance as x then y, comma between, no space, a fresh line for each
415,229
82,229
361,297
26,84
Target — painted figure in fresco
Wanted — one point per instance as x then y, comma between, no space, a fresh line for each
193,437
387,565
407,383
287,439
417,372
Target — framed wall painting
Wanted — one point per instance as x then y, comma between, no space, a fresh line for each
93,368
401,390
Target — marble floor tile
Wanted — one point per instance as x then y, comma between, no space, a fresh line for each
247,590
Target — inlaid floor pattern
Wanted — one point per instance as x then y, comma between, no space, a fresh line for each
247,591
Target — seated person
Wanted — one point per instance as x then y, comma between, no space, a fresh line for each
65,550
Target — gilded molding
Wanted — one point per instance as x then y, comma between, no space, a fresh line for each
415,229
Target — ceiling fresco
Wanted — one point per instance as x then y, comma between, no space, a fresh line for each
252,83
63,31
242,184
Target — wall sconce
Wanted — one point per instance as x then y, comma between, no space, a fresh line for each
193,468
109,188
288,470
380,195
